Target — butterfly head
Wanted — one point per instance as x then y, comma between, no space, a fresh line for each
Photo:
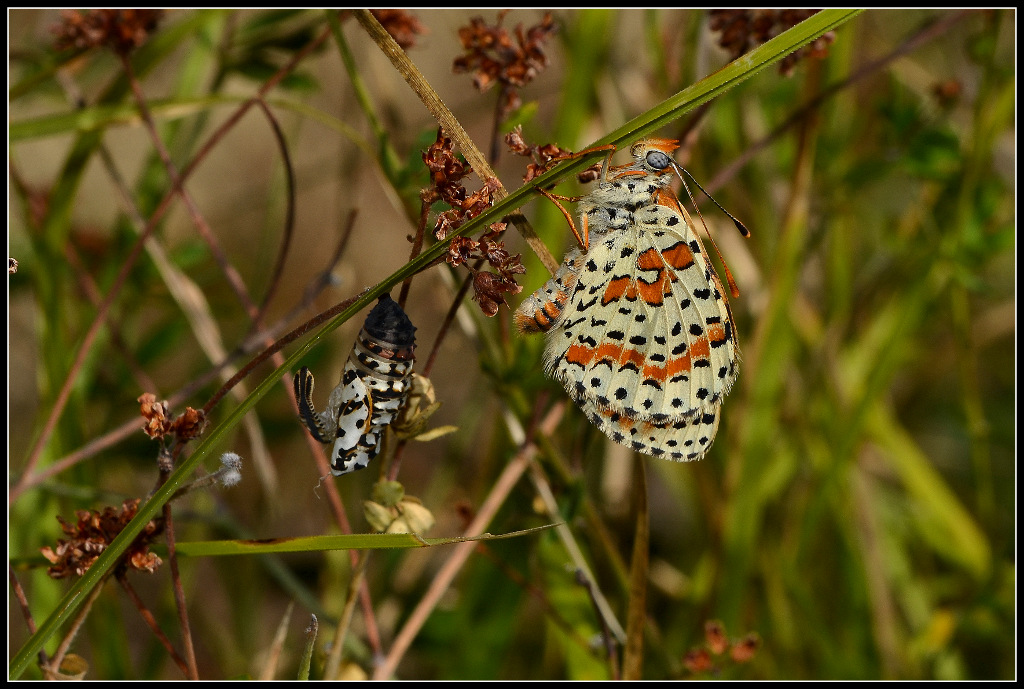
654,155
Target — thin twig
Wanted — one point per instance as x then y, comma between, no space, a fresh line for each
277,645
62,649
289,218
153,625
447,322
276,346
26,612
417,246
494,500
231,274
92,293
179,594
356,581
132,426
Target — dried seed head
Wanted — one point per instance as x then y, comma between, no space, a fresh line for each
160,422
90,535
403,26
489,289
156,415
743,650
446,174
494,58
121,30
544,156
743,30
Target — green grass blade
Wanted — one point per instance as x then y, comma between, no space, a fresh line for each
307,544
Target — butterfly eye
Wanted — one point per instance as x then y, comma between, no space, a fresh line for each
658,160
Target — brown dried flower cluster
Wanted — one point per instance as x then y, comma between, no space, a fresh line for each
494,58
545,156
92,533
401,24
160,421
489,288
743,30
947,93
702,660
446,175
121,30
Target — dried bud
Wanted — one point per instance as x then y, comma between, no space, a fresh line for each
156,415
591,174
743,650
401,24
947,93
714,634
698,661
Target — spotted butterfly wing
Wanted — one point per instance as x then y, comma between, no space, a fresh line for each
639,330
373,389
646,335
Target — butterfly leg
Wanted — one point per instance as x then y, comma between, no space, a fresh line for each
611,148
582,240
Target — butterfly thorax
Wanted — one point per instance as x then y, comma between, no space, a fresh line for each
611,205
626,188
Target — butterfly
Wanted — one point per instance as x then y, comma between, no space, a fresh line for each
639,329
373,390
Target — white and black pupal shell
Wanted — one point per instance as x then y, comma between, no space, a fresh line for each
373,389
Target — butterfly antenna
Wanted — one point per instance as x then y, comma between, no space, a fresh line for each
739,225
733,289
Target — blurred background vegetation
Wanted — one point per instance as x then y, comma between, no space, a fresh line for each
854,519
